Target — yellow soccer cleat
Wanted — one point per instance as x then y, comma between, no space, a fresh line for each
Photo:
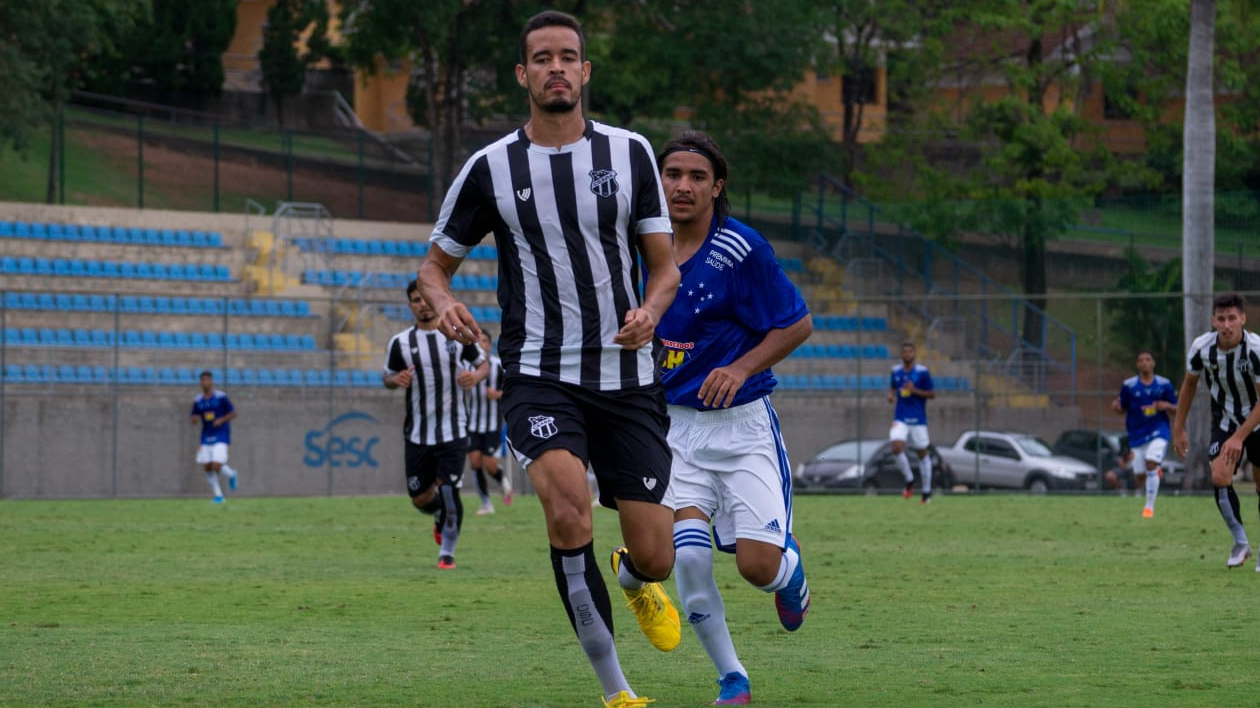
656,614
624,700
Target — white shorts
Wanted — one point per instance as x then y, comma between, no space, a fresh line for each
1152,451
732,465
914,436
214,452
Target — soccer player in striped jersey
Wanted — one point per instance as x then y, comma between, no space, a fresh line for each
485,428
573,205
426,364
736,315
1228,357
1144,401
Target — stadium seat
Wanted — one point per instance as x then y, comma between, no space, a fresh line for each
213,340
206,271
232,340
214,239
221,272
265,377
317,377
341,378
150,339
283,378
183,340
143,270
102,338
249,376
214,306
160,271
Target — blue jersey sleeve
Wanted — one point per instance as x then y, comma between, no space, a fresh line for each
767,298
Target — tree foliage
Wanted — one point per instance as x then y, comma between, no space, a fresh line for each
177,51
1153,323
44,47
282,60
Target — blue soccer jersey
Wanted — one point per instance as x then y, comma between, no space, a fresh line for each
732,293
911,409
209,409
1143,420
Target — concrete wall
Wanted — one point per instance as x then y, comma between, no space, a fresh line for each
295,442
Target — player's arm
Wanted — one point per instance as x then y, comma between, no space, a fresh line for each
721,385
398,379
1181,441
926,393
229,417
1117,404
1232,448
658,292
434,278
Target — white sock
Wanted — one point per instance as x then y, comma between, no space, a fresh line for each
787,565
213,479
1152,487
903,464
925,471
625,578
698,591
229,471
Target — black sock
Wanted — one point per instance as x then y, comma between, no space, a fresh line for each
591,584
482,489
498,475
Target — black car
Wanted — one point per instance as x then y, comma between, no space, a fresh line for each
865,465
1102,447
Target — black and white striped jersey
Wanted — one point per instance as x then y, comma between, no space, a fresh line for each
566,222
435,402
1232,376
483,412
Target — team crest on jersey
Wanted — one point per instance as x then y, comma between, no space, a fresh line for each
542,426
452,347
604,182
523,194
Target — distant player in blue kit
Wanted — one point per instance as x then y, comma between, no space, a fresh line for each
735,315
910,387
1145,401
214,411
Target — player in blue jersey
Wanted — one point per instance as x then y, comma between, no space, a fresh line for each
213,409
910,387
735,315
1145,401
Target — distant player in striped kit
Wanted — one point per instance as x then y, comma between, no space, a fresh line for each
1229,359
426,365
573,206
736,314
1144,401
485,428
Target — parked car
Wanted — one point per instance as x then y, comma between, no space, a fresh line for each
865,465
1013,460
1101,448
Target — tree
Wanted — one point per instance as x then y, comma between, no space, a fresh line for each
1024,163
903,36
732,67
44,45
1150,322
1197,249
282,60
175,52
460,55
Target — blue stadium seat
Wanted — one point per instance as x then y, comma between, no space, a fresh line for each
81,337
303,308
266,377
232,340
179,306
167,376
183,238
271,308
175,271
214,239
65,373
247,340
341,378
102,375
221,272
160,271
144,270
214,305
193,305
317,377
166,340
361,378
214,340
6,228
306,341
167,237
206,271
284,377
43,266
102,338
149,338
238,307
182,340
36,373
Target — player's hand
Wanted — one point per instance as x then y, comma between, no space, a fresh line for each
1181,443
1115,406
466,379
456,322
637,330
721,385
217,423
403,378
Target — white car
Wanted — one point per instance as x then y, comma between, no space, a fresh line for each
1012,460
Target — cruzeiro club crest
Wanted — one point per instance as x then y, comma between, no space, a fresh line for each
603,182
542,426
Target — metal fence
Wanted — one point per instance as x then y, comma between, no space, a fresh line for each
116,373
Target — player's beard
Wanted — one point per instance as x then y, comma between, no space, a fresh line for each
559,105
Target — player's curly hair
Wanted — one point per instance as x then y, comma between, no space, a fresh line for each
703,144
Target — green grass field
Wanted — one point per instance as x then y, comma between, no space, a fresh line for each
974,600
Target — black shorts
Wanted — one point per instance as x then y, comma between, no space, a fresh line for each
1251,445
622,435
427,464
485,443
